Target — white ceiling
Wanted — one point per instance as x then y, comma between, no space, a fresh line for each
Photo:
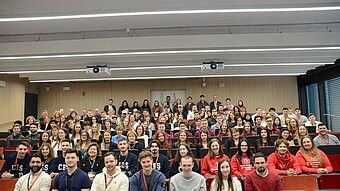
249,43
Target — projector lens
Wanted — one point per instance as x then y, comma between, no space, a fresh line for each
95,70
213,66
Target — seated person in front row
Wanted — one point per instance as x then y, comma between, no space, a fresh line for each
160,162
183,150
36,179
210,161
224,180
282,162
58,165
126,160
147,179
311,159
187,180
17,165
73,178
92,164
112,178
242,162
262,179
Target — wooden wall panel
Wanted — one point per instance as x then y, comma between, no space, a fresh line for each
266,92
12,100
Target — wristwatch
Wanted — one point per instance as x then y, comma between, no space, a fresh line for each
12,176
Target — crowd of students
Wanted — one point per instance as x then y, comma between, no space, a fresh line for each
208,124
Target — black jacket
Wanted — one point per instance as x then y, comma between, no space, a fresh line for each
86,166
21,168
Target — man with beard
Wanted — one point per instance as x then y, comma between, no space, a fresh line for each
262,179
73,178
325,138
160,162
34,132
36,179
17,164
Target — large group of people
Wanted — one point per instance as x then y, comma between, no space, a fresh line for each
69,147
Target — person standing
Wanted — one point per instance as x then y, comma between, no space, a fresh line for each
262,179
187,180
73,179
112,178
37,179
147,179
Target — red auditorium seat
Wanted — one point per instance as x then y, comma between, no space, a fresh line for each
2,163
209,181
8,184
335,161
301,182
329,181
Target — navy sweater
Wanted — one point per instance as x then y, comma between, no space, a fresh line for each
58,165
22,167
128,164
162,165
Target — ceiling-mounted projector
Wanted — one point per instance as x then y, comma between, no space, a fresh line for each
212,66
98,70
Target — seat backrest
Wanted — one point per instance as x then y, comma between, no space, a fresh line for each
8,184
329,181
302,182
209,181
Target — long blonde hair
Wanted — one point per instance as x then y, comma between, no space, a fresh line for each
314,151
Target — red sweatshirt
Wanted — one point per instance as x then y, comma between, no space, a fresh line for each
282,165
313,165
210,165
254,182
241,169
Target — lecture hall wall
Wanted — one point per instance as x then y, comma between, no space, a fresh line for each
12,99
266,92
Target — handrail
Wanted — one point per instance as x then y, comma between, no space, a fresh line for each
8,122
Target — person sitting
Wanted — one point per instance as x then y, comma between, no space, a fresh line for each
34,132
183,150
92,164
282,162
325,138
311,159
44,138
301,132
187,180
16,134
134,144
183,138
312,122
284,134
46,151
126,160
141,135
233,141
224,131
104,180
273,130
293,126
262,179
17,164
224,181
242,162
210,161
148,178
183,127
106,143
119,131
72,178
204,126
247,130
160,162
58,164
161,137
84,142
264,139
40,180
